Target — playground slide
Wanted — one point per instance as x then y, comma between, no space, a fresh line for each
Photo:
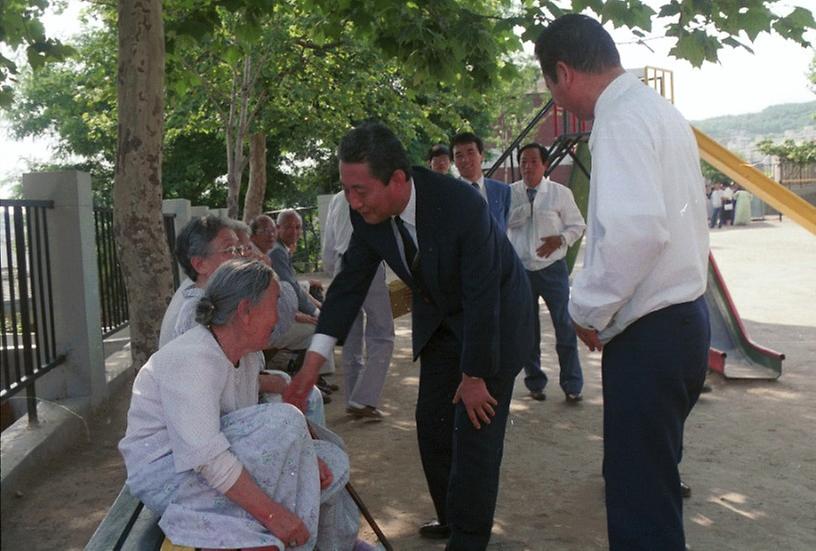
733,354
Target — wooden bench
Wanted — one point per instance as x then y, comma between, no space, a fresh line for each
128,526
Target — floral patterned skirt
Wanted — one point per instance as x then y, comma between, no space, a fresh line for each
273,444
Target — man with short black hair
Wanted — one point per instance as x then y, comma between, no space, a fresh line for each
439,159
471,319
468,155
544,222
639,296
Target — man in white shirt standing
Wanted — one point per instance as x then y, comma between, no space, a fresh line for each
639,296
364,370
716,206
544,222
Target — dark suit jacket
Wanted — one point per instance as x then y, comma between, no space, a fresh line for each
472,279
498,198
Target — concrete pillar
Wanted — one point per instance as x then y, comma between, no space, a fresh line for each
199,211
72,244
181,208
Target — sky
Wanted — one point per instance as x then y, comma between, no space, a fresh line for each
740,83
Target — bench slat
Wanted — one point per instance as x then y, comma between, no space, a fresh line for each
116,523
145,535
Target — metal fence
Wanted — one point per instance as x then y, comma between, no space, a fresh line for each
27,342
307,256
170,234
112,293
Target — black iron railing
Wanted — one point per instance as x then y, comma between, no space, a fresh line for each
170,234
510,152
566,132
112,292
307,255
28,347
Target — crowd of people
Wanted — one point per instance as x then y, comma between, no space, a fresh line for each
728,205
234,455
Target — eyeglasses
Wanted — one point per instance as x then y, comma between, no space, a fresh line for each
235,250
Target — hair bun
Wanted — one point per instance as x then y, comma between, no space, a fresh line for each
205,310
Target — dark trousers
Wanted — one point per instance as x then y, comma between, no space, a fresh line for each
552,284
652,376
461,463
715,218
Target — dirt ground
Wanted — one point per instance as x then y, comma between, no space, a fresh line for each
750,452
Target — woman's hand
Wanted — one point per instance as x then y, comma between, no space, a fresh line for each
326,475
287,527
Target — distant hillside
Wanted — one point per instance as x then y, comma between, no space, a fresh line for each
740,133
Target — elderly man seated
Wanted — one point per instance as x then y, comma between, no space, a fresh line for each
222,471
202,246
290,228
276,240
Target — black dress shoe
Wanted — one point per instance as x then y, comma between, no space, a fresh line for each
434,531
322,382
685,489
538,395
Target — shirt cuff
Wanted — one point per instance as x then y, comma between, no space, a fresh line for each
222,472
322,344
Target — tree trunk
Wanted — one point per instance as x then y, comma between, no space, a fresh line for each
137,190
253,202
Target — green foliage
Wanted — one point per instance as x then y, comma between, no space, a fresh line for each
798,153
427,69
702,28
20,27
711,174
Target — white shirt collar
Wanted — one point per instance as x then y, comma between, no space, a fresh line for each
408,214
613,91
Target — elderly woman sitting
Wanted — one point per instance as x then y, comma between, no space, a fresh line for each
202,246
222,471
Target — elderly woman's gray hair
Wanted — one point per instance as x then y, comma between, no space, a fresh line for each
194,240
233,281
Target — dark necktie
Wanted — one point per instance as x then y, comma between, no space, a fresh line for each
531,193
476,185
408,245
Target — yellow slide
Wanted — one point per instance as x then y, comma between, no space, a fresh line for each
770,191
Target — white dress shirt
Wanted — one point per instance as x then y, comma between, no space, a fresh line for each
647,236
324,344
480,183
552,212
716,198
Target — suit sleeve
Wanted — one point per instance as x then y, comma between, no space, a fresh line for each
481,271
348,290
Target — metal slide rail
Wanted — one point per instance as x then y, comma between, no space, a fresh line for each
770,191
543,112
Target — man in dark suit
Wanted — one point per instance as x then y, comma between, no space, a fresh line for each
472,319
468,155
